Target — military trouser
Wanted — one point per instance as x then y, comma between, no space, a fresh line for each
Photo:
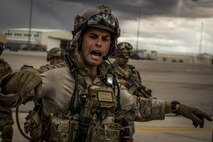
6,122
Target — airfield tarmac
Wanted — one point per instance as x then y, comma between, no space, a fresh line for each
191,84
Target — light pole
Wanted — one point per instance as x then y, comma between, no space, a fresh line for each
201,38
30,24
138,29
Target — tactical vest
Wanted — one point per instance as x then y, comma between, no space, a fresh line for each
94,119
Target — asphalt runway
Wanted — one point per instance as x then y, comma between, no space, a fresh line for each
191,84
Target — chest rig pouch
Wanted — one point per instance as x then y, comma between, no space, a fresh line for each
63,129
96,119
91,113
103,96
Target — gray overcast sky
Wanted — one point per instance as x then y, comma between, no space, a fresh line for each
165,25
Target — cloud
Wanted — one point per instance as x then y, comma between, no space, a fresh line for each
148,8
171,25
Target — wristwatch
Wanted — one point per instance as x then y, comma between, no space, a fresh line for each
174,106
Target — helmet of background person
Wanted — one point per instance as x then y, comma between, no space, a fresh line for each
55,52
124,49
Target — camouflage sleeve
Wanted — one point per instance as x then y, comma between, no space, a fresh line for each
44,68
9,100
4,68
141,109
48,67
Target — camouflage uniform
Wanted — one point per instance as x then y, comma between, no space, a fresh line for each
100,104
54,52
47,67
6,120
58,90
121,61
129,69
4,68
81,108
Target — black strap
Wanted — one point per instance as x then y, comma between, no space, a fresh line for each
73,70
116,86
173,106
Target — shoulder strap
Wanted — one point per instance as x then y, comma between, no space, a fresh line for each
116,86
74,72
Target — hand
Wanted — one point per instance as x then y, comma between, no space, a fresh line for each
194,114
27,80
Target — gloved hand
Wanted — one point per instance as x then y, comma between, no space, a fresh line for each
194,114
27,80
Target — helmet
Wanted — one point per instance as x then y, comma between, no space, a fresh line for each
3,40
55,52
99,17
125,49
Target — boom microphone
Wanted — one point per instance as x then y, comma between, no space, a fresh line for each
105,58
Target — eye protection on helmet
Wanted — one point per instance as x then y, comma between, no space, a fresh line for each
125,45
103,19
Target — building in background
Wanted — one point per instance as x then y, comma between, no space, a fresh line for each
204,59
172,57
37,40
144,54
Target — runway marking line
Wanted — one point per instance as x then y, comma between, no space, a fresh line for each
172,129
162,129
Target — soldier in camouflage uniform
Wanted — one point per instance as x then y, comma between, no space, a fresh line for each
121,60
122,67
55,57
6,120
121,63
83,101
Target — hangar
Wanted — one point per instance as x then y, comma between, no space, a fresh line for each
37,40
203,58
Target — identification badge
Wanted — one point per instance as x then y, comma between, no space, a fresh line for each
105,96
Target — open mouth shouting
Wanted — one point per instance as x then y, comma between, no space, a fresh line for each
96,54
